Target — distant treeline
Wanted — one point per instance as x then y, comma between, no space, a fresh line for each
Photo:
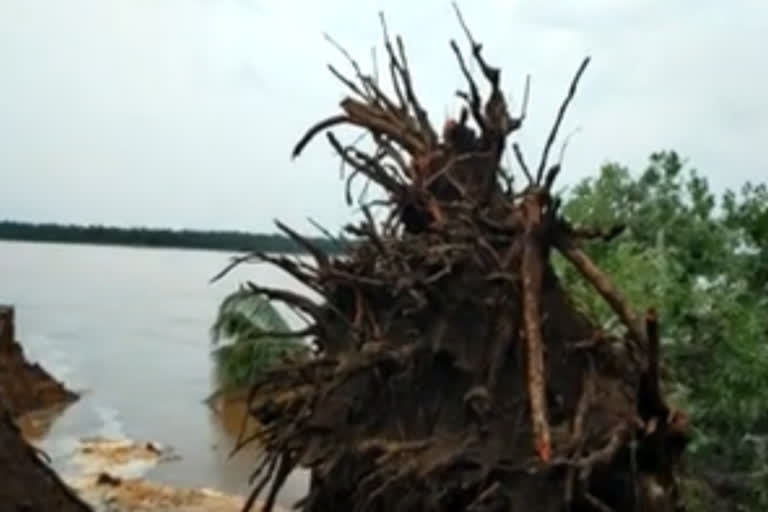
146,237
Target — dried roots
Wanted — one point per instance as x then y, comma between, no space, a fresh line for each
452,371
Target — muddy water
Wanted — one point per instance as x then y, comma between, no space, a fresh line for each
129,329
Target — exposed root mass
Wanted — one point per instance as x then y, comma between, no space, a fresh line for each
453,372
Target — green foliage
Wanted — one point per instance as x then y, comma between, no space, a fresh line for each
242,324
703,264
145,237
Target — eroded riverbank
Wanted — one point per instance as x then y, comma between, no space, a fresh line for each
109,475
140,361
115,474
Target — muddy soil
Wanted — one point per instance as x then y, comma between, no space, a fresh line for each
28,483
108,493
107,473
25,386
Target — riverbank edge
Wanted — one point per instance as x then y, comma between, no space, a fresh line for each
30,483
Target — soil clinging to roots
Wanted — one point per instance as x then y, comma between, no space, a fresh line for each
453,372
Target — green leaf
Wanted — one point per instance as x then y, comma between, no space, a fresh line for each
246,349
702,262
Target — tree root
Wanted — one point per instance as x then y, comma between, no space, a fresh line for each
417,397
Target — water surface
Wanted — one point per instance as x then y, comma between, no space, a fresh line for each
129,328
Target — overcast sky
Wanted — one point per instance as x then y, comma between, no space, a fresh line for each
183,113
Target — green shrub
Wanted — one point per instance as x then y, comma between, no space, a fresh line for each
246,350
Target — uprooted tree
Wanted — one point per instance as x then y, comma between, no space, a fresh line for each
453,372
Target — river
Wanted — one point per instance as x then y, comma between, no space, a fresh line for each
129,329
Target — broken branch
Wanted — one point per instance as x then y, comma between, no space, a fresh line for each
559,119
604,287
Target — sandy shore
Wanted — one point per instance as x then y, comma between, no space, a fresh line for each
109,475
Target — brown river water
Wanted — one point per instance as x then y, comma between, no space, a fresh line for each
129,329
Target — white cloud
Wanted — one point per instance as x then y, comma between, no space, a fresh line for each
183,113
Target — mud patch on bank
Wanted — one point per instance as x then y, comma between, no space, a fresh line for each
105,492
109,475
94,473
122,458
28,482
25,386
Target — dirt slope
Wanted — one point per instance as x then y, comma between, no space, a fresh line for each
28,484
24,387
